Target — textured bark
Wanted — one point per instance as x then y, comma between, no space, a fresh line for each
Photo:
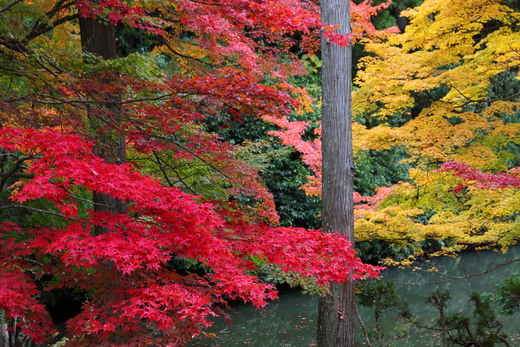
11,336
336,312
4,333
99,39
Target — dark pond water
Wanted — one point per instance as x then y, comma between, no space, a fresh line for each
291,320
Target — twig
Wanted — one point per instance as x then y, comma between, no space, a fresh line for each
5,207
451,278
9,6
363,327
15,168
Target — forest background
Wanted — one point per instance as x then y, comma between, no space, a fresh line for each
148,180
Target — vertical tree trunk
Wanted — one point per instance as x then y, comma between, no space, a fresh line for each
4,332
336,312
99,39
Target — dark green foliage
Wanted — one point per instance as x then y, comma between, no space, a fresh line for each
506,86
483,330
479,329
133,40
391,16
283,173
380,297
375,251
283,178
185,266
507,295
378,169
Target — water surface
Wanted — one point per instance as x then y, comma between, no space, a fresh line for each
291,320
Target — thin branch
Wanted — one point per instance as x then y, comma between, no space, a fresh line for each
6,8
5,207
20,47
181,179
470,100
30,261
59,6
18,175
451,278
162,169
195,155
60,101
107,207
42,28
363,327
167,44
15,168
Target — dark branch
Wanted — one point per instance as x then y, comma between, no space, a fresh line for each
451,278
16,167
6,207
6,8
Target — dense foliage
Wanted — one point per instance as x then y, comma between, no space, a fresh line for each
442,97
114,191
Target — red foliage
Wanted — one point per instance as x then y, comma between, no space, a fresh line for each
134,295
135,291
17,289
481,179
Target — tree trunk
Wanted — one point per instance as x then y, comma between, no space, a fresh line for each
99,39
336,311
4,333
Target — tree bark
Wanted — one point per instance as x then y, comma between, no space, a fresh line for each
99,40
336,311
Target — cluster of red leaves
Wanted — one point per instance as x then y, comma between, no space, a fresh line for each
135,291
227,19
291,135
115,11
481,179
18,291
361,25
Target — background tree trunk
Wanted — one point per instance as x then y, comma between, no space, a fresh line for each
99,40
336,312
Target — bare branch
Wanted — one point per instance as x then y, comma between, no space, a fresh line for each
159,161
30,261
470,100
6,8
451,278
97,204
6,207
42,28
15,168
363,327
20,47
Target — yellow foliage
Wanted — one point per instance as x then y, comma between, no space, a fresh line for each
439,48
439,77
378,138
431,206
